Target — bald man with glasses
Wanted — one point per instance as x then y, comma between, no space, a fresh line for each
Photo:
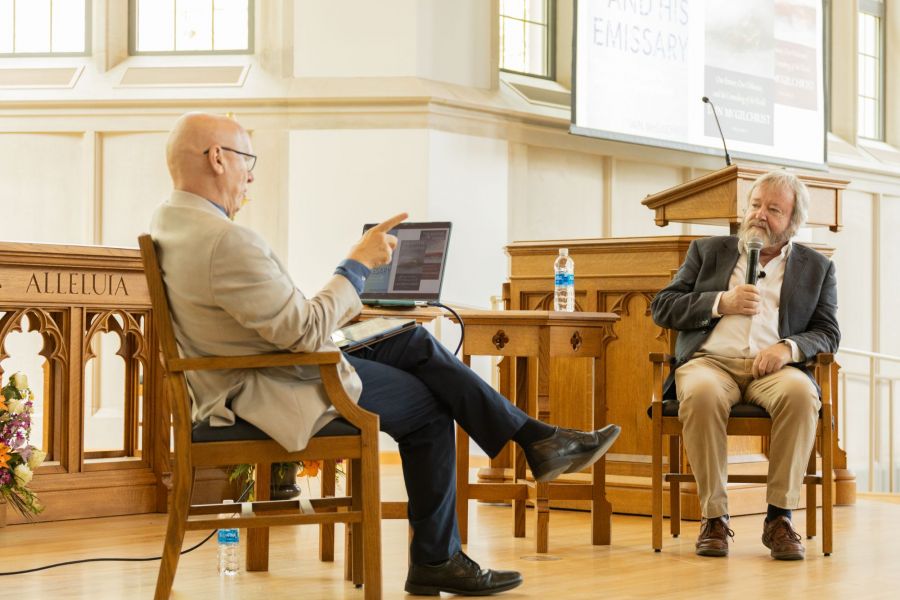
230,295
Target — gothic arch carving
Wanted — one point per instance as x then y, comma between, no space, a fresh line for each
546,303
41,321
106,322
621,305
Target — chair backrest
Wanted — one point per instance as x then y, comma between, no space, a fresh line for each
158,298
176,383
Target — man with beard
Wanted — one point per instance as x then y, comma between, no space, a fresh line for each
739,342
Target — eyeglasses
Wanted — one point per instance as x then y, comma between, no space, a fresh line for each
250,159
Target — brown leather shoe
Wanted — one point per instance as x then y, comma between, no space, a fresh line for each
713,538
779,537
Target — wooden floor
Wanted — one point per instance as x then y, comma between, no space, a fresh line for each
864,565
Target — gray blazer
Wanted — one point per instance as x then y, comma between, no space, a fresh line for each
231,296
807,311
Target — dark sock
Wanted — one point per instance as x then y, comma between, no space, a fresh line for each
774,512
533,431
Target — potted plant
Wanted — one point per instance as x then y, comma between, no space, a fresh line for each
284,477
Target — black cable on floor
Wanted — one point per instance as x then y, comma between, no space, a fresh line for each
120,559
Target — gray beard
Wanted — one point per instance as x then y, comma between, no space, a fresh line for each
745,234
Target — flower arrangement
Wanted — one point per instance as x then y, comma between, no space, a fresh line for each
18,459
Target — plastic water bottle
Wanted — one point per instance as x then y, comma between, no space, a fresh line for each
564,282
228,560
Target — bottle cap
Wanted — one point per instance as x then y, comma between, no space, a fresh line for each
563,251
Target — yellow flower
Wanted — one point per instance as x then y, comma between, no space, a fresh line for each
23,475
20,380
4,456
37,458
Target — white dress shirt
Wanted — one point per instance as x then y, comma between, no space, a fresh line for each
743,336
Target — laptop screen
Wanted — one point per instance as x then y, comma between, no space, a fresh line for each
416,270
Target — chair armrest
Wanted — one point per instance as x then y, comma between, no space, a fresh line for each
660,357
823,365
823,358
254,361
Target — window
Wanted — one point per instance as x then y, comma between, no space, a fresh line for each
44,27
527,37
191,26
870,69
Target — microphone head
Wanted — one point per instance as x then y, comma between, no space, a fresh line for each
705,99
755,243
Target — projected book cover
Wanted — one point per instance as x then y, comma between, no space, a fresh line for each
642,67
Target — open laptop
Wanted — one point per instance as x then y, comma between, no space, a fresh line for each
416,272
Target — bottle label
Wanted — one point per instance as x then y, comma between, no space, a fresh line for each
565,279
228,536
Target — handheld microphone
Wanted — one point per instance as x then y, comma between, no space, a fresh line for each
719,127
753,248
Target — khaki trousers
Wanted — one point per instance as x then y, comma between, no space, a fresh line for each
708,386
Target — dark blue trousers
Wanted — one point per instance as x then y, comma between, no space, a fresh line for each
418,388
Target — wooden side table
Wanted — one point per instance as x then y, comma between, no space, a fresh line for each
530,338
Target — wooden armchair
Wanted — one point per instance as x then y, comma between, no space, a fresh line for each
354,437
746,420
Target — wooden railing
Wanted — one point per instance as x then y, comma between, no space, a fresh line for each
70,295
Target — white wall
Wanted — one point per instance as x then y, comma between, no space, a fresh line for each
634,182
431,39
887,276
134,182
556,194
454,42
354,38
341,179
467,181
43,194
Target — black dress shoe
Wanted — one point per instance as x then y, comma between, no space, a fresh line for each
568,451
459,575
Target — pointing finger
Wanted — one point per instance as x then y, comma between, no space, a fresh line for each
389,224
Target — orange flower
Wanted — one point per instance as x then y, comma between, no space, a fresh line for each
310,468
3,402
4,456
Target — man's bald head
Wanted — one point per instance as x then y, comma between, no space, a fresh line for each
201,158
194,133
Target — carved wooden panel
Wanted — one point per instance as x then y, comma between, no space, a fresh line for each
70,295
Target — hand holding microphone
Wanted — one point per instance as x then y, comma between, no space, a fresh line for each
744,299
753,247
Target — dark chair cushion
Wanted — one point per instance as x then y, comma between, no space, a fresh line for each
670,409
243,431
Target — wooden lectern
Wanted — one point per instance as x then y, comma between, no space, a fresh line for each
621,276
720,198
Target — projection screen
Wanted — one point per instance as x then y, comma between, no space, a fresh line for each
643,66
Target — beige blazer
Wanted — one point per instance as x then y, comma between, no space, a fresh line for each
231,296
